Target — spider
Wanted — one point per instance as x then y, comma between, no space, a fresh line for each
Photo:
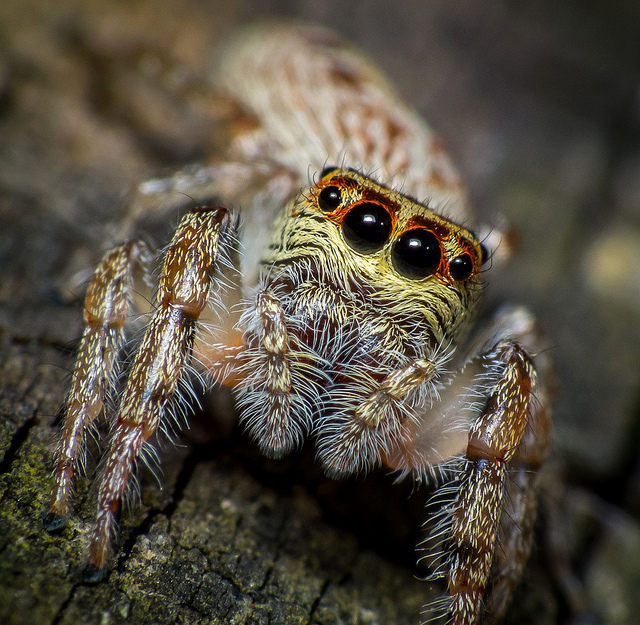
343,311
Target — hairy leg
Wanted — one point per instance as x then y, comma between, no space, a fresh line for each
488,528
159,363
107,308
366,436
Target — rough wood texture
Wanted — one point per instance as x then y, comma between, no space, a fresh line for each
216,545
539,107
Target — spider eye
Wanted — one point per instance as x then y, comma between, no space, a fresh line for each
327,170
366,227
329,198
416,254
484,254
461,267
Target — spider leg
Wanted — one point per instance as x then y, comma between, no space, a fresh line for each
234,182
366,436
273,394
487,535
493,439
107,306
515,535
256,190
160,361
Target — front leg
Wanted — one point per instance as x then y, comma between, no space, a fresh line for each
159,363
487,531
493,439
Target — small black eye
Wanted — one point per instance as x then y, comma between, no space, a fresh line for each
416,254
484,254
461,267
366,227
327,170
329,198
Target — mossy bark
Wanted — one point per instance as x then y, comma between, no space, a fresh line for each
214,545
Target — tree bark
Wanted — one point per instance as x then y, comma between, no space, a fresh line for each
215,544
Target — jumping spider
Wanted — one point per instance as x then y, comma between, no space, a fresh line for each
349,322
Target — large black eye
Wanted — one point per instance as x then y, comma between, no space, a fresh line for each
366,227
329,198
461,267
416,254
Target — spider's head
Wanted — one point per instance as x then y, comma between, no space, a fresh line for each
401,254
